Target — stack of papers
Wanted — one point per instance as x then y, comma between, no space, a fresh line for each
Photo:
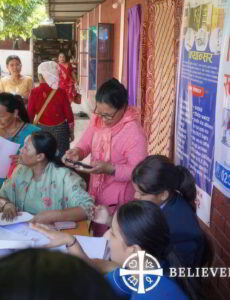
19,235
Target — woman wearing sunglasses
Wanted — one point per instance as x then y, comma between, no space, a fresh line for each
116,142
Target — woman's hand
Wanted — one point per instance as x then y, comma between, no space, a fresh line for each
101,215
57,238
45,217
9,212
99,167
72,155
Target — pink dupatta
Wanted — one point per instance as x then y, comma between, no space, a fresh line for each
102,141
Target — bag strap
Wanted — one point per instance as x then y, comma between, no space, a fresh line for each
49,98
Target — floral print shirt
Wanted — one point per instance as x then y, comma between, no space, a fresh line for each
58,188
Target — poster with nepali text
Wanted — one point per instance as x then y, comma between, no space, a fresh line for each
222,144
201,46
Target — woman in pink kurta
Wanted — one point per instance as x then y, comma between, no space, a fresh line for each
116,142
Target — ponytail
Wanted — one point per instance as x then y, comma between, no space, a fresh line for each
187,185
156,174
22,112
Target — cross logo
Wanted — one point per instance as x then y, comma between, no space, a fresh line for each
137,270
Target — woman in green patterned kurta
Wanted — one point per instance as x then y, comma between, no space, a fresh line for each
42,187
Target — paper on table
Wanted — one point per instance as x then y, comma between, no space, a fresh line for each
23,217
12,240
7,148
93,247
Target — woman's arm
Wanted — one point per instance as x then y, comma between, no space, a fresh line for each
61,215
58,238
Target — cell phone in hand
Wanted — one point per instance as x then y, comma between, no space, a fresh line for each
79,163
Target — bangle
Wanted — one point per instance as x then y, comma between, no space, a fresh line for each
71,244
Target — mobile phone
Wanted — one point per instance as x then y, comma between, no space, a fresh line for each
79,163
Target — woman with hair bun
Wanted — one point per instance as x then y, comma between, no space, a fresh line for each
41,185
173,188
116,142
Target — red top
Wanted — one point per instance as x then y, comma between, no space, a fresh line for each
66,81
56,112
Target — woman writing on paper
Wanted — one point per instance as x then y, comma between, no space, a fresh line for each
136,226
42,186
16,83
14,123
116,142
49,106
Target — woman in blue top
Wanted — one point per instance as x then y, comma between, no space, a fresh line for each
136,226
173,189
14,123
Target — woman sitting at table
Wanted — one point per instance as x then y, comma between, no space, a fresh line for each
41,186
14,123
116,142
136,226
57,117
173,189
16,83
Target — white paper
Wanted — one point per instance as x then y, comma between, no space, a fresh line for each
94,247
11,240
23,217
24,237
6,148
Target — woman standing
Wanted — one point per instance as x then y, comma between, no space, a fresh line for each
14,123
57,117
67,77
16,83
116,142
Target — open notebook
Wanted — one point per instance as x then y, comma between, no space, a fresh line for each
20,236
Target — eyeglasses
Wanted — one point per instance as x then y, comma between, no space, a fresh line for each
105,116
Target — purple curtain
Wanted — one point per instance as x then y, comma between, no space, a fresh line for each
134,24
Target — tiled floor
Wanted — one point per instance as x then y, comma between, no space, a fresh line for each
80,126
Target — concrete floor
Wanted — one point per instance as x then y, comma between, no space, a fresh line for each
80,126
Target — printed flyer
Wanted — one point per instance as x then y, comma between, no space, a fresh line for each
201,46
222,144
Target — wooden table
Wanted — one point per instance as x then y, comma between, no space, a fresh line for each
82,229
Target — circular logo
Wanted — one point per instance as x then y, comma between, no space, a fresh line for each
141,272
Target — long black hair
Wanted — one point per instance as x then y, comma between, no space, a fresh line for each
44,142
13,102
143,223
113,93
156,174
